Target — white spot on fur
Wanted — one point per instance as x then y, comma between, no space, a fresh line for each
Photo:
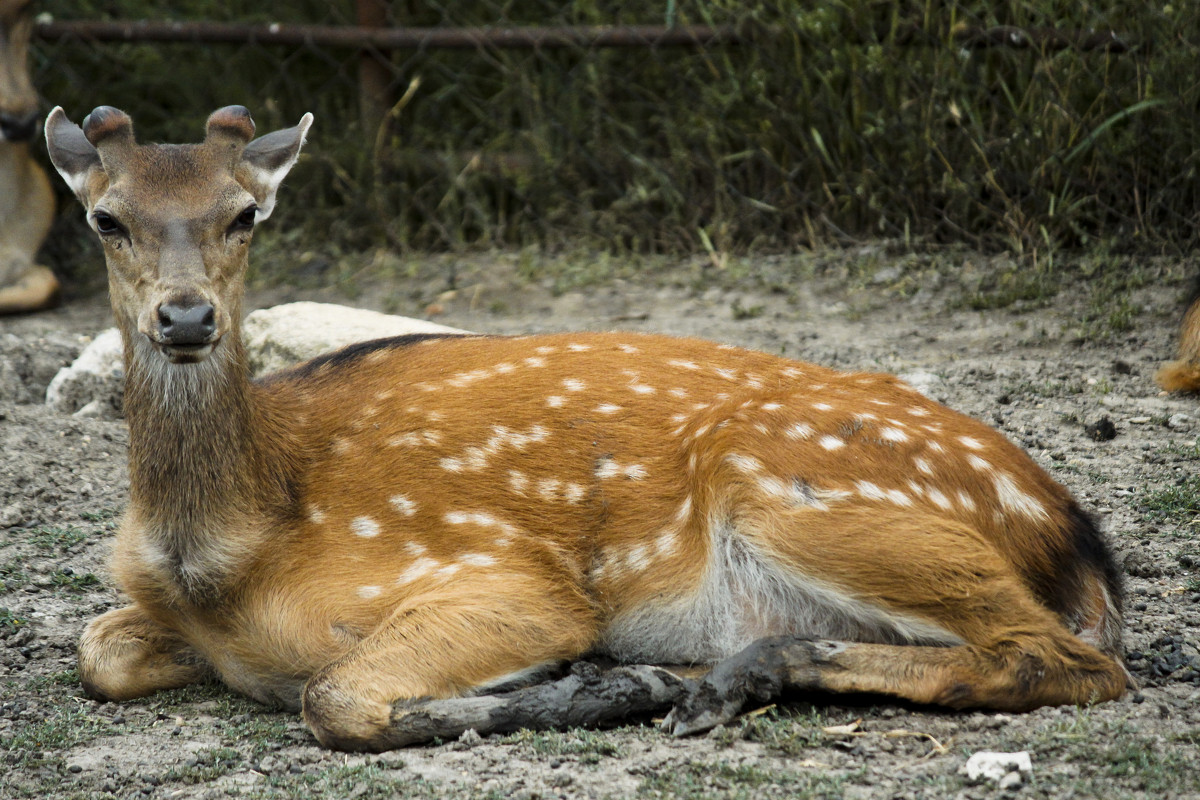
535,361
628,348
554,401
504,368
477,559
635,472
966,501
544,350
641,388
893,435
799,430
548,488
579,348
574,385
727,374
935,447
870,490
315,515
607,468
414,549
637,559
822,406
917,411
685,509
517,481
418,569
979,463
899,498
573,493
607,408
922,466
364,527
451,464
369,592
973,444
403,505
666,543
448,570
678,391
1013,499
683,364
940,500
830,442
744,464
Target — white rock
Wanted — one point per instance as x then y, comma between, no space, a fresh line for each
284,335
924,382
275,338
992,766
94,377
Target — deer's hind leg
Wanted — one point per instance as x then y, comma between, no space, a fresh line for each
454,639
1012,653
125,654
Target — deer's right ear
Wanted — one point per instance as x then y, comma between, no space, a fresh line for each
71,153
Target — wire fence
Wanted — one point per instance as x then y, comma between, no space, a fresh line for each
681,125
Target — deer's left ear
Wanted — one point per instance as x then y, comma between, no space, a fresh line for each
267,160
72,154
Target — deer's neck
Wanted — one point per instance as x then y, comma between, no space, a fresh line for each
207,461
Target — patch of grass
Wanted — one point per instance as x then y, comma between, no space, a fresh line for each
10,622
360,781
697,781
12,577
1176,505
206,766
56,540
103,515
1016,285
588,746
790,731
69,581
67,725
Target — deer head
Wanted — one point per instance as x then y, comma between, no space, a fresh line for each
175,221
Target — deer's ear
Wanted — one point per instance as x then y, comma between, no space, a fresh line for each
71,153
267,160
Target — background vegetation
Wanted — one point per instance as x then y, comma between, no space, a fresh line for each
833,122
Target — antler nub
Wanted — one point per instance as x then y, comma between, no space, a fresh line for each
110,130
229,129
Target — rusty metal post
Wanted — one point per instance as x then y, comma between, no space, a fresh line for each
374,77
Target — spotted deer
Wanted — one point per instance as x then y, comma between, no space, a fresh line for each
1183,374
418,520
26,199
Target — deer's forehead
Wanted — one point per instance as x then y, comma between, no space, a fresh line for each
173,182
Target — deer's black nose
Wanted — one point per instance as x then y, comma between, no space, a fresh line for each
192,324
14,128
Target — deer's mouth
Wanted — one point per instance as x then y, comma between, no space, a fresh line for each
186,353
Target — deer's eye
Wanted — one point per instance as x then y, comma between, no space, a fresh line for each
245,220
105,224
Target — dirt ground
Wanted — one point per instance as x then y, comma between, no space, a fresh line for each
1042,360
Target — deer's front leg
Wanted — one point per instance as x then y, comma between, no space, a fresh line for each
124,654
448,642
